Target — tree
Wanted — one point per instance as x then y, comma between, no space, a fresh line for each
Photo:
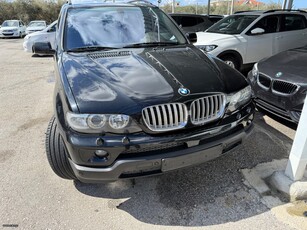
29,10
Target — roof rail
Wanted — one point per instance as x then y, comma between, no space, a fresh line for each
246,11
141,2
286,10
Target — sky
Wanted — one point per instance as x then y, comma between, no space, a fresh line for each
297,3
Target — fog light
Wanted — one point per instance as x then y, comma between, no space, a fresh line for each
125,140
99,142
101,153
251,117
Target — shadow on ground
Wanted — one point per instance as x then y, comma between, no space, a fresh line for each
41,56
208,194
284,122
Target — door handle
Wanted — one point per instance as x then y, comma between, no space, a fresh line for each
279,37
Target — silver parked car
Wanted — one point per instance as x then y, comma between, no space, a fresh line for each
35,26
46,35
12,28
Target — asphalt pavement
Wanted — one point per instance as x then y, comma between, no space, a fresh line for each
208,196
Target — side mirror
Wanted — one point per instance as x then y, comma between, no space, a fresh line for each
192,37
257,31
43,48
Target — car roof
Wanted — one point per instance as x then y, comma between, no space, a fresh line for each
84,3
187,14
276,11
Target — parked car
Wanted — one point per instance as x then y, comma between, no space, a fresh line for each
46,35
214,17
247,37
35,26
279,83
134,97
195,22
12,28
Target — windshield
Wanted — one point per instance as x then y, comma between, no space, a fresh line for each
233,24
119,27
10,24
34,24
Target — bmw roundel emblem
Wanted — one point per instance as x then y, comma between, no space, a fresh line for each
278,74
183,91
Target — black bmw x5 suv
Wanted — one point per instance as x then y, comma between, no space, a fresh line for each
134,97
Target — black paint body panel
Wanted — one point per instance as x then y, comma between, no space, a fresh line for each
292,65
125,81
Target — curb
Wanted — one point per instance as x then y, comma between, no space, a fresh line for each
267,178
295,190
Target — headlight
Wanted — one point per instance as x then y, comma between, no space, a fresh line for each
96,121
27,37
208,48
238,99
254,74
255,71
101,123
118,121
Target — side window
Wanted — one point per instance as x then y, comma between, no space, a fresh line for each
214,20
293,22
189,21
177,19
200,20
269,24
53,28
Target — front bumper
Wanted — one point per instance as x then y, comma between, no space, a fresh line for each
143,154
27,46
155,164
287,107
9,35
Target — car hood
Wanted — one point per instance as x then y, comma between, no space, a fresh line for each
36,34
291,64
36,28
126,81
205,38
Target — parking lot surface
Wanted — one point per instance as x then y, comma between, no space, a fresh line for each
208,196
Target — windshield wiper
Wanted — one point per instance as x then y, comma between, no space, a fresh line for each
90,48
150,44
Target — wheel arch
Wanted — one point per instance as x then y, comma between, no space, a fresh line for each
233,53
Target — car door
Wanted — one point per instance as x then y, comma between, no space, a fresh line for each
22,27
260,46
51,35
293,32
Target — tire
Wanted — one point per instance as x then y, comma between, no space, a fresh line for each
231,61
56,152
